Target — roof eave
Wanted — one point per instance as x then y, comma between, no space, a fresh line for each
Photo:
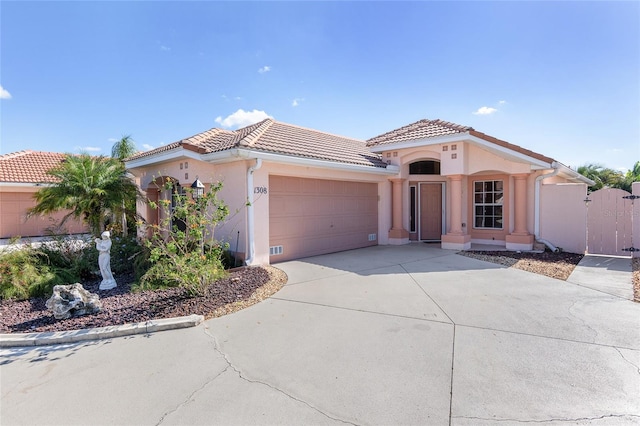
230,155
27,184
163,157
415,143
573,175
536,164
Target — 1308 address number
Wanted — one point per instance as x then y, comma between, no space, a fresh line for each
260,190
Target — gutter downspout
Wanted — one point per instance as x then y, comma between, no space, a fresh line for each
250,215
536,225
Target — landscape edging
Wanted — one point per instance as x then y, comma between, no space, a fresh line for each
99,333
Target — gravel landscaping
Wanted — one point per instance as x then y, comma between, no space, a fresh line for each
554,265
240,289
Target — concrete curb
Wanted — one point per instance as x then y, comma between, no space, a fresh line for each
57,337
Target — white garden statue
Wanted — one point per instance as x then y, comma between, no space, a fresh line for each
104,261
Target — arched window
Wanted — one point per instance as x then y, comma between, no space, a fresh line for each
425,167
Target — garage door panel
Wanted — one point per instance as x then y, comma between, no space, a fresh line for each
287,206
315,216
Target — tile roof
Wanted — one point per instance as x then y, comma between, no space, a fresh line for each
422,129
425,129
278,138
29,166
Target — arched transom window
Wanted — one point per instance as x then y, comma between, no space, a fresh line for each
425,167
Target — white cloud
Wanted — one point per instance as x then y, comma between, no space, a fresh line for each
113,140
164,48
4,93
88,148
235,98
264,69
296,102
242,118
147,147
502,102
485,111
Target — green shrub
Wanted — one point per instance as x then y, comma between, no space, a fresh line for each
182,250
32,272
25,273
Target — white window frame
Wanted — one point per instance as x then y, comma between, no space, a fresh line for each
490,198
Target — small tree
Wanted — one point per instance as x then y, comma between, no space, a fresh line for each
632,176
92,188
183,250
121,150
605,177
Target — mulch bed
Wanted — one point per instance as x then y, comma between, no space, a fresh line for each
241,288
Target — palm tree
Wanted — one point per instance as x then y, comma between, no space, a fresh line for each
123,148
91,187
602,176
632,175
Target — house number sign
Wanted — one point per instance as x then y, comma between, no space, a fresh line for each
260,190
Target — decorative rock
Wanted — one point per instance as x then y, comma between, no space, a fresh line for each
73,300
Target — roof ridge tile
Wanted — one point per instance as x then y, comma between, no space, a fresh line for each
251,137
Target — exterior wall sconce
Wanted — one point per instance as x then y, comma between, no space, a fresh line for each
198,189
587,201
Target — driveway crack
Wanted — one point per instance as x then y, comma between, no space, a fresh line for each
191,395
584,323
246,379
626,360
578,419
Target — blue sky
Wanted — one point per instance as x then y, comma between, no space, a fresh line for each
559,78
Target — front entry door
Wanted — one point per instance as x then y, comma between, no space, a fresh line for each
430,211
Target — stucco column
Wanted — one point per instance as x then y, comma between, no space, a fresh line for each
520,205
520,239
456,205
456,239
397,234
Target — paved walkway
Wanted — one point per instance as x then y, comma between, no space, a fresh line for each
611,275
383,335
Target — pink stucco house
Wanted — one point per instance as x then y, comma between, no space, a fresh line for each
22,174
310,192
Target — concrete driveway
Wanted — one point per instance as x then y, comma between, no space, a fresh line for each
383,335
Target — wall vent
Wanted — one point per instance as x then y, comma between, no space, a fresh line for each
274,250
373,237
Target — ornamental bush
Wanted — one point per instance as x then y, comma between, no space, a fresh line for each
182,250
33,271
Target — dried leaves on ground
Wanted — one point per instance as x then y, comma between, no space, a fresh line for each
554,265
238,290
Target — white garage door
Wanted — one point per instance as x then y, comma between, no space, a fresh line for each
308,217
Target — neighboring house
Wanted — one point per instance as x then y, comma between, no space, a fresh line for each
299,192
22,174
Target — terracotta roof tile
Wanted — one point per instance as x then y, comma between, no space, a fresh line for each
279,138
422,129
29,166
425,129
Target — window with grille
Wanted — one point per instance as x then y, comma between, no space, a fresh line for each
488,197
